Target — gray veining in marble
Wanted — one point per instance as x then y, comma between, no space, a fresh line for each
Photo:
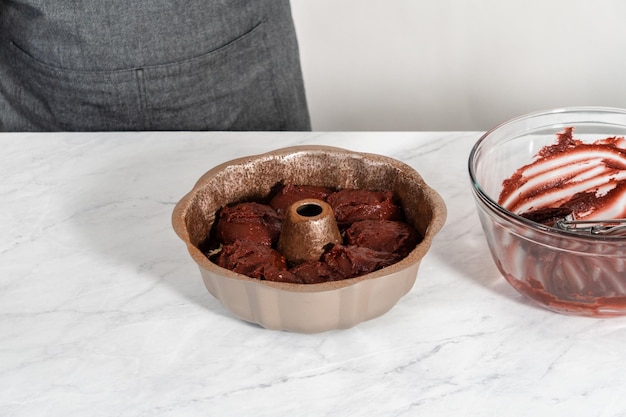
103,313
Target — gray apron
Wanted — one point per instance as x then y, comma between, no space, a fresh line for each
97,65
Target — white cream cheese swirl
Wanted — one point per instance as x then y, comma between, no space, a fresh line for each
587,178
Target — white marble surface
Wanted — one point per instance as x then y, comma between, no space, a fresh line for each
103,313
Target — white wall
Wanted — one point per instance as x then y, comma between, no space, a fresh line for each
457,64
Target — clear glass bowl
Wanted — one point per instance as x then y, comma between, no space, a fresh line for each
564,271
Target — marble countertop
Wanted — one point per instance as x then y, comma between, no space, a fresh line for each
103,312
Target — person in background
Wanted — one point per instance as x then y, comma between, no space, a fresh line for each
103,65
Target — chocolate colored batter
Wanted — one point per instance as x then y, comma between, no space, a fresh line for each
246,234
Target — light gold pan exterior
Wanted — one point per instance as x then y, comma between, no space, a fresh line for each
308,308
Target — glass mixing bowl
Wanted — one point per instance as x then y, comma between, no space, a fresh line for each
568,271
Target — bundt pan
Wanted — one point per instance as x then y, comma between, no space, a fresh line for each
308,308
